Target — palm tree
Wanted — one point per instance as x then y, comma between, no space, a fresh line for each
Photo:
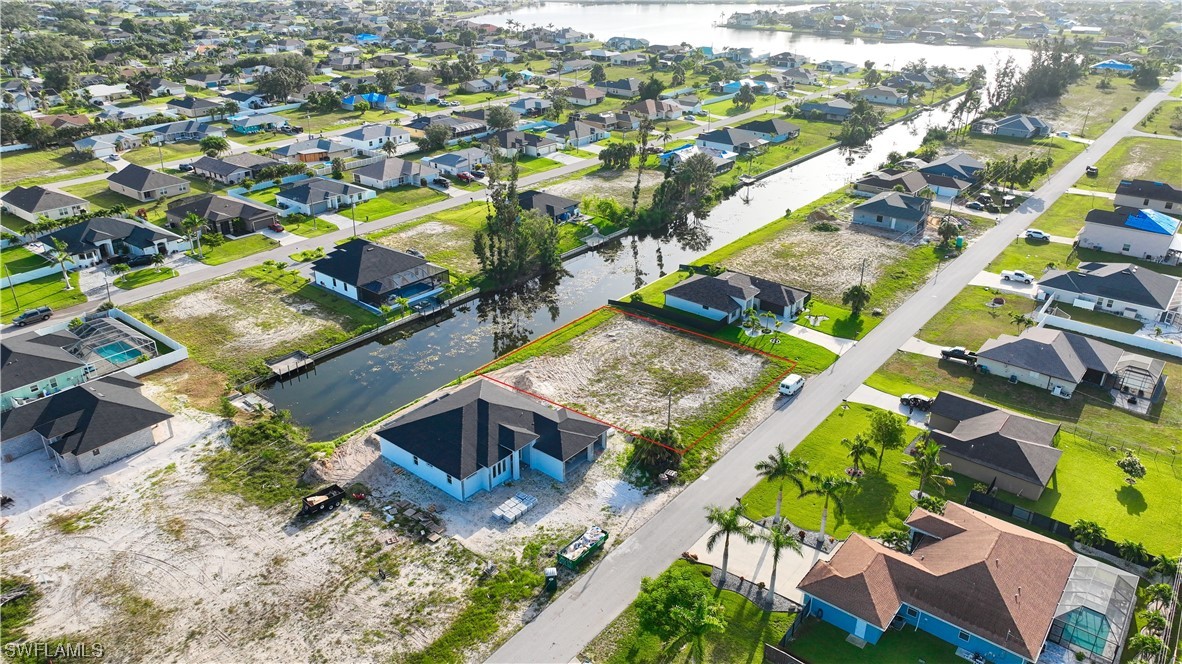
779,538
927,465
694,623
728,522
148,136
389,148
1133,552
158,261
860,448
779,467
61,255
830,487
192,225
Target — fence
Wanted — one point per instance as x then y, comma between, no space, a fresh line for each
1039,521
175,350
776,656
23,277
14,147
1145,343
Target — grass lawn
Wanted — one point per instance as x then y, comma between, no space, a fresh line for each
1033,256
393,201
266,196
149,155
1166,119
1176,92
987,148
1111,321
101,198
529,165
881,499
29,167
49,291
809,357
445,238
1089,411
314,227
968,322
1084,102
813,137
144,277
840,321
257,138
469,98
1066,216
577,152
336,119
821,643
18,259
747,628
727,108
232,250
1137,157
11,222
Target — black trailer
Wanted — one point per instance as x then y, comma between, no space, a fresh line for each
324,500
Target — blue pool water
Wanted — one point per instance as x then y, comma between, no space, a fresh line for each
118,353
1086,629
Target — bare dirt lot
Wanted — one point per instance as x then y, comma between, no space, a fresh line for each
825,263
616,185
623,371
442,243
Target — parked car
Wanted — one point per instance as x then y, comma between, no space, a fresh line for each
974,205
113,157
1016,275
186,167
32,316
441,182
917,401
1035,234
453,103
990,207
139,261
791,385
1063,134
960,354
1092,171
465,177
478,174
276,226
781,94
116,259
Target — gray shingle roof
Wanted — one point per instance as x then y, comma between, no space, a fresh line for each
143,179
39,199
393,168
217,166
733,137
314,190
217,208
548,204
84,236
1052,353
360,262
482,423
30,357
1158,191
1010,443
88,416
1117,281
372,132
895,204
717,293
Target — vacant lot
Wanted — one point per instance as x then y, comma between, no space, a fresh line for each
1086,102
445,238
1139,157
152,155
30,167
1066,216
1035,256
616,185
1165,119
990,148
232,324
972,317
393,201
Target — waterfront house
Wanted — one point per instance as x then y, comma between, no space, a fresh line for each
894,211
728,295
1013,126
375,275
557,208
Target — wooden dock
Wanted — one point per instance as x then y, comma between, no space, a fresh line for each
290,363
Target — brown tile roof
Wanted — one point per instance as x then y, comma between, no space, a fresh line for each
986,576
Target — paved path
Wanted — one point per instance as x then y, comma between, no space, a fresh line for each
920,347
592,601
1110,195
1146,134
865,394
830,342
753,561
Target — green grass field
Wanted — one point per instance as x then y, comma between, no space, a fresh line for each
968,321
878,503
1166,120
1066,216
821,643
1090,410
1137,157
530,165
49,291
314,227
394,201
150,155
840,321
987,148
141,278
101,197
444,237
813,136
1084,102
232,250
31,167
1034,256
747,628
19,259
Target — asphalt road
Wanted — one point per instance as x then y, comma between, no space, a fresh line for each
576,616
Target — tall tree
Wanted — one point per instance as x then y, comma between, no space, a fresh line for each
860,448
192,225
831,488
727,522
60,254
500,118
645,131
888,430
780,467
780,539
856,297
214,146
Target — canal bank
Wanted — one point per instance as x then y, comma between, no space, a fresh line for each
391,370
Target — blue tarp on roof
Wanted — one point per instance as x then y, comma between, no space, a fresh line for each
369,97
1152,221
1114,65
367,38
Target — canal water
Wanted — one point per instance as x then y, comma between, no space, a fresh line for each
693,23
378,376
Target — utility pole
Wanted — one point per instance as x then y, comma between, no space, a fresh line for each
1084,128
862,278
669,413
353,212
12,287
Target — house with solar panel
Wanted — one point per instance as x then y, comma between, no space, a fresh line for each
481,435
1142,233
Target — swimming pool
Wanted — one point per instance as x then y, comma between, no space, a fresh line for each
118,353
1085,628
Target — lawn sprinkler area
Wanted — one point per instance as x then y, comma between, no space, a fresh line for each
630,372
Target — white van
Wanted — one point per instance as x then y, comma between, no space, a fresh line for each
791,385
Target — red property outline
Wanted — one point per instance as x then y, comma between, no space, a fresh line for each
682,451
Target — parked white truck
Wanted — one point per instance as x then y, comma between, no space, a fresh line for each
1016,275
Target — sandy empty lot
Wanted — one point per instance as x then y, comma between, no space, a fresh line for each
443,243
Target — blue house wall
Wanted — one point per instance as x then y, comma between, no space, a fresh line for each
840,619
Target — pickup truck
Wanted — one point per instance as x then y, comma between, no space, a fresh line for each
1016,275
32,316
959,354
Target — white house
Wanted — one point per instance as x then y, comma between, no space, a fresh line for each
576,134
394,172
95,240
730,294
882,94
1146,233
374,136
479,436
1149,194
375,275
145,184
1121,289
315,196
29,203
451,163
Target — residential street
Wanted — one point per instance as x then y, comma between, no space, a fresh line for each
575,617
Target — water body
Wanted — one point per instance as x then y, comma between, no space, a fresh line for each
693,23
372,379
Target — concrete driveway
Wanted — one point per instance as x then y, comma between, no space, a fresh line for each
994,280
864,394
921,347
754,562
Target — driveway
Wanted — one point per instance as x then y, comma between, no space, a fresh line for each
865,394
921,347
753,562
284,238
994,280
835,344
564,158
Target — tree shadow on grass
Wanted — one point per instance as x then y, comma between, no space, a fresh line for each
1132,498
868,506
848,327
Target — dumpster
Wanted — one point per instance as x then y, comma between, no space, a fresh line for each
582,548
326,499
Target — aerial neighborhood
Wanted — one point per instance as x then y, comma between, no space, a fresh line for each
616,331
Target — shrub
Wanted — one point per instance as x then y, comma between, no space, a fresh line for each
825,227
226,409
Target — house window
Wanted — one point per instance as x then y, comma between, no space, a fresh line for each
1145,202
1126,247
95,453
878,218
53,383
1170,205
415,459
1110,303
911,612
449,479
963,636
